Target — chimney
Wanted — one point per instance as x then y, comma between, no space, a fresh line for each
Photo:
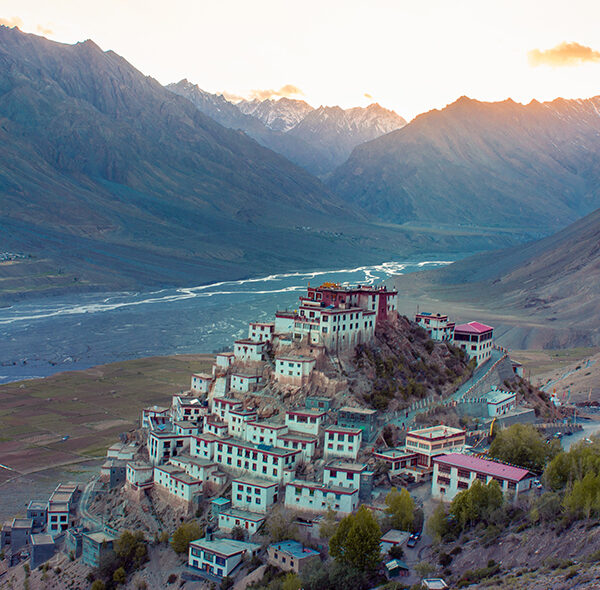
209,533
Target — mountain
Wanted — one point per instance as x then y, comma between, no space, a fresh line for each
488,164
279,115
544,294
315,139
229,115
104,171
338,131
107,179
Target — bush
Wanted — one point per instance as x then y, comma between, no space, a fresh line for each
120,576
238,533
184,535
396,552
172,579
98,585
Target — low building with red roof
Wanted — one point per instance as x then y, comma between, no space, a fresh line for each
455,472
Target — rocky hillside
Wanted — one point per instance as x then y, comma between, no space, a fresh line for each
403,365
473,163
553,284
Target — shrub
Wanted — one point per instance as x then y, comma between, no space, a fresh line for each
184,535
172,579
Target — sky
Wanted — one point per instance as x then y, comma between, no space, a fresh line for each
410,56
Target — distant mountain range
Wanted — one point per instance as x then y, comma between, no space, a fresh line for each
107,178
319,139
488,164
544,294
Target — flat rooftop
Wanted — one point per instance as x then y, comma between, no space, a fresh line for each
299,436
395,536
42,539
22,523
298,358
160,409
363,411
37,505
394,453
306,412
225,546
100,537
245,514
345,466
439,431
294,549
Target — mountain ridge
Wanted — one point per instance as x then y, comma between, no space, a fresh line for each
477,161
548,290
108,180
317,139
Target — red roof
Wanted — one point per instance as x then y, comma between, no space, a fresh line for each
493,468
473,328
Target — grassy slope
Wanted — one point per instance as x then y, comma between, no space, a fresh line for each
93,407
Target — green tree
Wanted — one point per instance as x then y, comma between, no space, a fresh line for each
328,524
356,541
584,498
400,509
396,552
567,468
476,504
424,569
523,445
98,585
120,576
184,535
437,524
291,582
280,525
130,548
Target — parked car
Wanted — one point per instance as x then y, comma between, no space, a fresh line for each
413,539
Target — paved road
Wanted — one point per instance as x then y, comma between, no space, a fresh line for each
479,373
91,521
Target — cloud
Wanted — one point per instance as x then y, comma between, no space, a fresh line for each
15,21
232,97
44,30
286,91
367,95
564,54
